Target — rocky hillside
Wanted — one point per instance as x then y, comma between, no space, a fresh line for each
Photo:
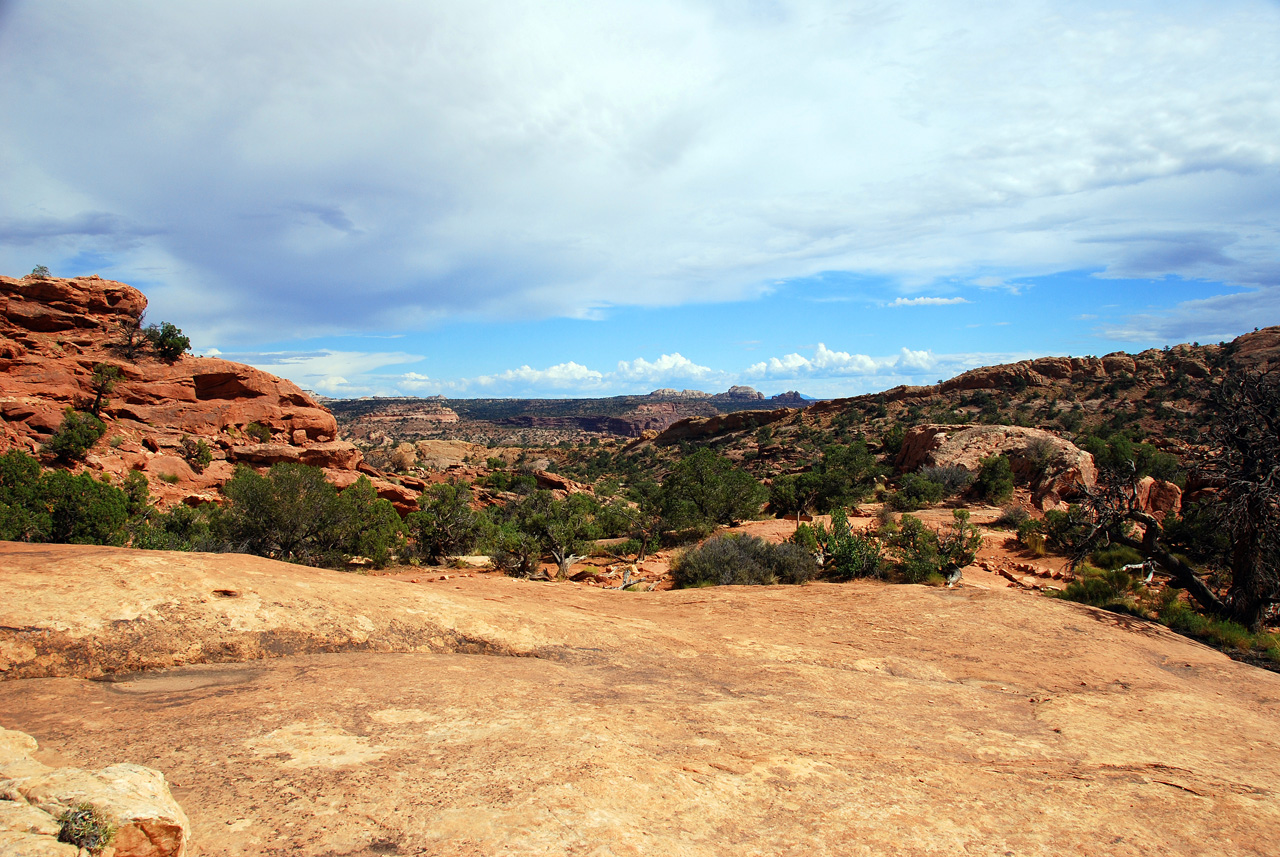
55,332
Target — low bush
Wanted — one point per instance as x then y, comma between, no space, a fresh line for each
734,560
87,827
77,433
994,483
1108,589
953,479
1011,517
845,554
258,432
1114,556
923,552
915,492
445,524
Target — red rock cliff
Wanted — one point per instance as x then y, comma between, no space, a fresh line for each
53,332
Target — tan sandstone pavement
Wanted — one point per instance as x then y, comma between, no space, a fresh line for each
816,720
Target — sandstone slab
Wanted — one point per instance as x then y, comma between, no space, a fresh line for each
816,720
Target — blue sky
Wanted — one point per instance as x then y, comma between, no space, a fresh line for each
593,198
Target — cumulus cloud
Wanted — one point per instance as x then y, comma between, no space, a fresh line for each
397,165
928,301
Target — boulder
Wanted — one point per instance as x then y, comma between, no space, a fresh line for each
1055,468
136,799
1157,497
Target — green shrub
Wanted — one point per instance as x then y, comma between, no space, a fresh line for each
924,552
75,436
1112,590
995,480
733,560
915,492
167,340
705,489
293,514
845,554
81,510
1114,556
445,524
258,432
953,479
1067,532
197,453
40,272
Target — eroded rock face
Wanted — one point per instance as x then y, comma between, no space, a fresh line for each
136,799
696,427
1056,469
54,332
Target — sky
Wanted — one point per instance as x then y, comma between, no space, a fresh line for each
481,198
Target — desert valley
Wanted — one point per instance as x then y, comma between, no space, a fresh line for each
1004,614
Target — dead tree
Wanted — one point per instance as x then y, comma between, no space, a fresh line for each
1245,461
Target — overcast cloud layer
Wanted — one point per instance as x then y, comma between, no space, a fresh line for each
273,170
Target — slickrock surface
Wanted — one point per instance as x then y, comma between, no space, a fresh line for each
817,720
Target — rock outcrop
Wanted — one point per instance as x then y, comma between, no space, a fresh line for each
134,799
54,332
1056,469
699,427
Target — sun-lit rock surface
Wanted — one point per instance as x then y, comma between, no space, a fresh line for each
815,720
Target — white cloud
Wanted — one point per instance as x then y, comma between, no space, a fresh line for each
388,167
928,301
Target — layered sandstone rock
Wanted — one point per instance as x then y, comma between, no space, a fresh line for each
53,332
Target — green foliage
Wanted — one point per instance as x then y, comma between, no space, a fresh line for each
258,432
734,559
845,554
85,826
1118,451
924,552
104,380
915,492
40,272
995,480
367,525
445,524
564,528
1110,589
57,506
167,340
891,440
1114,556
75,436
1067,532
1199,534
23,517
705,489
293,514
515,482
197,453
182,528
